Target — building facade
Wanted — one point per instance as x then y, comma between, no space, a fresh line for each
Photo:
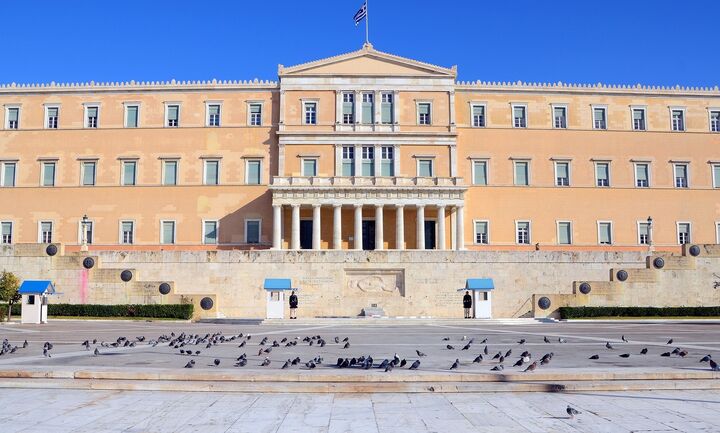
365,150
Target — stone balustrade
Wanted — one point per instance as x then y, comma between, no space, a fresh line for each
358,181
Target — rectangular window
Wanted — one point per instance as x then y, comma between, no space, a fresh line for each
252,231
210,232
522,232
253,168
13,118
88,173
605,233
681,175
348,108
173,116
479,173
212,172
309,167
643,234
8,174
213,115
131,116
478,116
424,113
562,174
599,118
519,116
6,231
52,114
46,232
368,108
560,117
481,232
387,161
255,114
48,174
170,172
425,168
129,173
91,116
127,232
386,109
642,175
678,120
715,121
683,231
521,173
716,175
88,232
167,232
638,116
602,174
564,232
310,113
368,161
348,161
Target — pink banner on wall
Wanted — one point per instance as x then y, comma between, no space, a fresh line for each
84,286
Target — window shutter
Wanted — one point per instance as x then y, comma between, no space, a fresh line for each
716,173
132,117
214,110
480,173
642,172
680,171
49,175
13,114
519,112
367,112
52,112
168,232
210,232
88,173
424,108
602,171
6,229
170,173
254,172
564,233
253,232
9,179
562,170
386,112
211,172
521,177
92,111
129,173
173,112
605,233
127,227
638,114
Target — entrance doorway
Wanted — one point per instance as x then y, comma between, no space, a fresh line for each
482,303
306,234
368,232
429,235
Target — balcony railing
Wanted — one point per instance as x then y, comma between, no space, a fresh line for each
339,181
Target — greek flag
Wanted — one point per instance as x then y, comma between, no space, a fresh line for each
362,13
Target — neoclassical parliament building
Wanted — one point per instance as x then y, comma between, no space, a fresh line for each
362,151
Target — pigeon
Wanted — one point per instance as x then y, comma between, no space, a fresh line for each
531,367
419,353
497,355
485,350
415,365
25,344
286,365
519,363
455,365
608,345
572,412
466,347
86,344
706,358
389,367
501,360
449,347
675,351
625,355
546,359
714,366
189,365
337,339
265,362
478,359
545,339
644,351
403,363
595,357
446,339
623,339
665,354
497,368
508,353
670,341
561,340
216,362
683,353
96,352
346,345
522,341
243,343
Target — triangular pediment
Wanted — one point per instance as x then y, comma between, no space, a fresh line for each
367,62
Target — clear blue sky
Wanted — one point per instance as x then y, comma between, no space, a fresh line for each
625,42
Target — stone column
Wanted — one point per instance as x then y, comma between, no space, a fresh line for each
460,237
358,227
441,227
420,227
453,228
277,226
400,227
295,234
379,240
337,227
316,227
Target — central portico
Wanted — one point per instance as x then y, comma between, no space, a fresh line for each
367,143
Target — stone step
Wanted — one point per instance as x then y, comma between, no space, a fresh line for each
671,262
595,287
633,275
701,250
36,250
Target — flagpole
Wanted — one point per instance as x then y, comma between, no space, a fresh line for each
367,22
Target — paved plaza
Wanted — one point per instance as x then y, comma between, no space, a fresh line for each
61,411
